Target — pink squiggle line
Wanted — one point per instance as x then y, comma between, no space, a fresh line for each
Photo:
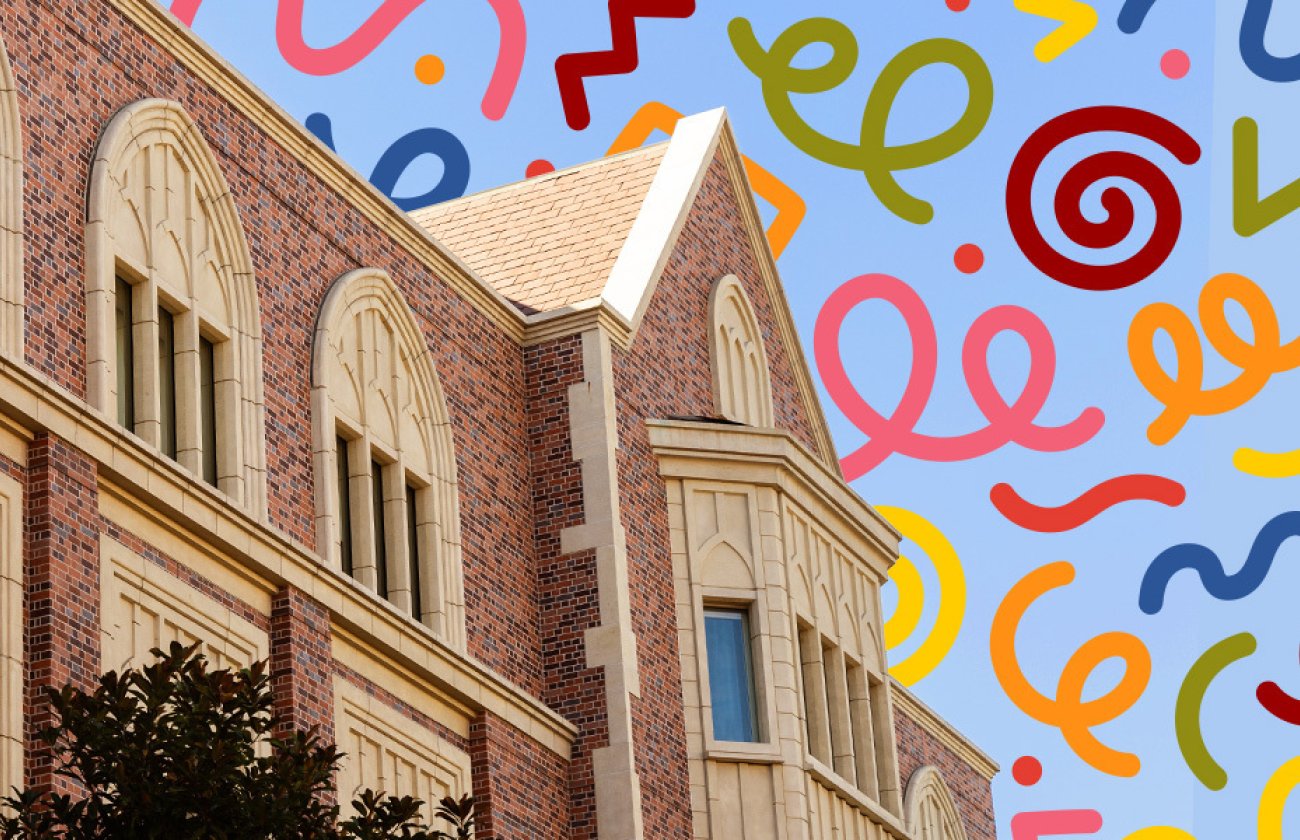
1007,423
1032,825
325,61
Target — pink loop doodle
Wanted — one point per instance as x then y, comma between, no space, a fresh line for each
1012,423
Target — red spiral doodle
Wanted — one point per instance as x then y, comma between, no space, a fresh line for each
1278,703
1125,488
1068,204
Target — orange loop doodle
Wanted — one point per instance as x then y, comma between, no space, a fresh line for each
1182,394
1069,711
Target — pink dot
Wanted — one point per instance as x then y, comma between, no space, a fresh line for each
538,167
1175,64
958,5
968,259
1027,770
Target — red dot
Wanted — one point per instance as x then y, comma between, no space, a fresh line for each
968,259
538,167
1175,64
1027,770
958,5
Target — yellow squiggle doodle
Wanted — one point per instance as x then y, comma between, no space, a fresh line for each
1182,394
1267,464
952,596
1160,832
1077,20
1273,801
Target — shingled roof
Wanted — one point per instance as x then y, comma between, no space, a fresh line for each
550,241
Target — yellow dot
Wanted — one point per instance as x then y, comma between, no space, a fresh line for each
429,69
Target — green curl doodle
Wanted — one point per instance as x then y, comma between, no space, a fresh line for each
877,160
1187,709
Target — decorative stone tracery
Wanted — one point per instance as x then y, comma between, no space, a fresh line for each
931,812
742,386
11,216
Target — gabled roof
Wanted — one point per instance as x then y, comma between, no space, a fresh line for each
551,241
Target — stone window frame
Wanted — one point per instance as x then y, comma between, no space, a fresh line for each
929,799
156,127
732,321
435,482
12,325
11,633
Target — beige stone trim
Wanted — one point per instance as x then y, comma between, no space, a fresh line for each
774,458
742,384
593,431
13,441
199,58
931,812
144,607
12,324
944,732
159,212
388,752
176,497
373,375
11,633
578,318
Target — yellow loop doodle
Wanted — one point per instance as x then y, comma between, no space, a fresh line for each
1160,832
911,597
1183,394
1069,711
1273,801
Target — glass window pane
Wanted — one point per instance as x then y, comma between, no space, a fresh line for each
167,382
381,532
208,409
125,355
731,681
412,538
345,506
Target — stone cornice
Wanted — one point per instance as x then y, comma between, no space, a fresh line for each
944,732
721,451
161,490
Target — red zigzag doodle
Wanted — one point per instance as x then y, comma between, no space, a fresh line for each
571,69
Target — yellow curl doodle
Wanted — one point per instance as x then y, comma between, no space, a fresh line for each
1273,801
1068,711
911,597
1183,394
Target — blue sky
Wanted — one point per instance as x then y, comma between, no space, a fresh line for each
689,64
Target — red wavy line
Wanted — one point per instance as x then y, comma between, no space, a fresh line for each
1124,488
1278,703
571,69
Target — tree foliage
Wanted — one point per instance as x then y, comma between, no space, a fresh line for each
176,751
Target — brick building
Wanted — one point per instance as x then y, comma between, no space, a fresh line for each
526,494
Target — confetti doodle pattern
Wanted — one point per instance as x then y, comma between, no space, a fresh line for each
1068,710
1007,423
871,155
1091,504
1120,212
1183,394
573,69
1191,696
1207,565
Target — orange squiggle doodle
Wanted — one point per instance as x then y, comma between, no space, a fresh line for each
790,207
1182,394
1068,711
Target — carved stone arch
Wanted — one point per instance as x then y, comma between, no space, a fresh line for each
742,386
373,375
11,215
931,812
160,213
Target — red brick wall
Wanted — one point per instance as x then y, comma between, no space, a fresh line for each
566,583
61,582
302,663
519,786
970,790
78,63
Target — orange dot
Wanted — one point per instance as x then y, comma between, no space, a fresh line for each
968,259
429,69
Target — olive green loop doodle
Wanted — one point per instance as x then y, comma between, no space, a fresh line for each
877,160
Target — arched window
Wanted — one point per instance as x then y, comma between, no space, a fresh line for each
173,331
386,495
931,813
11,216
742,388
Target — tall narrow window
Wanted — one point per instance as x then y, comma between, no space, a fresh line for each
814,694
125,355
883,739
167,382
864,741
837,710
731,678
381,531
413,551
208,409
345,504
